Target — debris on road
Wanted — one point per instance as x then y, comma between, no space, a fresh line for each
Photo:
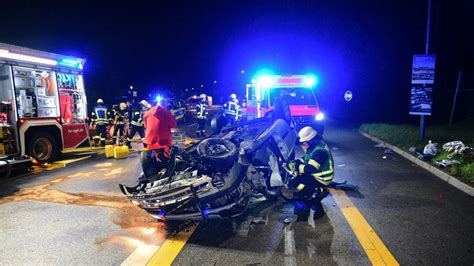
380,145
412,150
430,150
458,148
335,148
341,165
384,157
447,163
259,220
388,151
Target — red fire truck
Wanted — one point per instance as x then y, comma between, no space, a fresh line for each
297,91
42,104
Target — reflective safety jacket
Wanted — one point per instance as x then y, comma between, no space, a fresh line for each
137,117
201,109
100,115
317,162
121,116
232,109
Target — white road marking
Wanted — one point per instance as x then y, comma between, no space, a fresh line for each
141,255
290,248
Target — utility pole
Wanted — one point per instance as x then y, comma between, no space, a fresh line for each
427,47
455,98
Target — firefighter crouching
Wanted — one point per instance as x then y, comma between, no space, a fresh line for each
100,118
312,173
232,111
202,113
136,122
121,118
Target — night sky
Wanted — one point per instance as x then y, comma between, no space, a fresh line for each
362,46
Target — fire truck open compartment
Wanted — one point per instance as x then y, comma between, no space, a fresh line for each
43,104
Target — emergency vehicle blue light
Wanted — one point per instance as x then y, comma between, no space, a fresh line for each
205,212
312,81
159,99
70,62
265,81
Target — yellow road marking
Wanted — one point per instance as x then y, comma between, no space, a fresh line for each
375,249
141,255
170,249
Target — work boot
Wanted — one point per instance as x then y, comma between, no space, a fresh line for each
290,219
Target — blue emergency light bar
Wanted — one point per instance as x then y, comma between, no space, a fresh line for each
70,62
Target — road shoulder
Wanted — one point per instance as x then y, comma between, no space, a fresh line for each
435,171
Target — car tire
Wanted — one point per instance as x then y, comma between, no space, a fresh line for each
43,147
217,152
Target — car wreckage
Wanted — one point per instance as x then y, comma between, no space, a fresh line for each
218,176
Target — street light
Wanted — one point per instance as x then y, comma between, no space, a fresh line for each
131,87
215,81
202,86
242,71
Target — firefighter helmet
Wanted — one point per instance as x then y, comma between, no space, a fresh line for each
145,104
233,96
307,134
202,96
123,106
100,101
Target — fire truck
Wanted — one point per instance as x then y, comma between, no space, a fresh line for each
295,91
42,104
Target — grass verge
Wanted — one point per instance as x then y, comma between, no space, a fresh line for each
406,136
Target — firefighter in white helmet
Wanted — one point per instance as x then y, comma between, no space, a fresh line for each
100,119
312,173
232,111
201,115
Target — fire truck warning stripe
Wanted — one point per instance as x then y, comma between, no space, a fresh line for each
170,249
373,246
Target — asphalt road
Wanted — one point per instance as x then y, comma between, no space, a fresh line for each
76,215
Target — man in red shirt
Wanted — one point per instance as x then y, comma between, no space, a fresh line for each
158,123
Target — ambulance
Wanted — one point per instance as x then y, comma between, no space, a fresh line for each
42,104
296,91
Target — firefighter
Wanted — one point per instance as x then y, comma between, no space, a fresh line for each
232,109
136,122
202,113
121,118
312,173
100,118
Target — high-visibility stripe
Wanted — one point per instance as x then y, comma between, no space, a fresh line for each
300,187
314,163
301,169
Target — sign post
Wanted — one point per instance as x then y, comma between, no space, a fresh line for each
427,45
422,80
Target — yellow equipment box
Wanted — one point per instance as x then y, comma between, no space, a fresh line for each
109,151
121,152
2,149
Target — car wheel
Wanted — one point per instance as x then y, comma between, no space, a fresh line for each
43,148
219,153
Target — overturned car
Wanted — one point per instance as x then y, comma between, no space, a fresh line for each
216,177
